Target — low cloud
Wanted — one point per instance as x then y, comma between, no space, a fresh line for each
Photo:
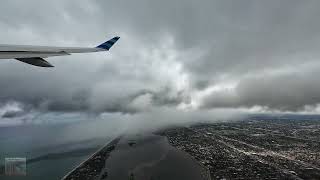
293,92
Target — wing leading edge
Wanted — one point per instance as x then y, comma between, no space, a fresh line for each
34,54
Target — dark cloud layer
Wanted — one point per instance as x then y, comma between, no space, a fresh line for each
170,53
286,92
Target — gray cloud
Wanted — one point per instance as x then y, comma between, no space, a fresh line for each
12,114
169,52
292,91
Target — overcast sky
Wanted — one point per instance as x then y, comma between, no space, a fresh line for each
194,56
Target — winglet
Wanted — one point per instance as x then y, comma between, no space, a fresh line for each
107,45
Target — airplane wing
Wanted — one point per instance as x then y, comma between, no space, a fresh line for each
35,55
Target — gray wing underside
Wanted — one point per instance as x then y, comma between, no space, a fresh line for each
37,61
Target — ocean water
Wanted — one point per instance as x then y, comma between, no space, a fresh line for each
52,150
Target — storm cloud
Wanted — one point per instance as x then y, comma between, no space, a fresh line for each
190,55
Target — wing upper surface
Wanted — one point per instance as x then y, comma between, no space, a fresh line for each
28,54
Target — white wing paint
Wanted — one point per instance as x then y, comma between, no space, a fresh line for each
35,55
